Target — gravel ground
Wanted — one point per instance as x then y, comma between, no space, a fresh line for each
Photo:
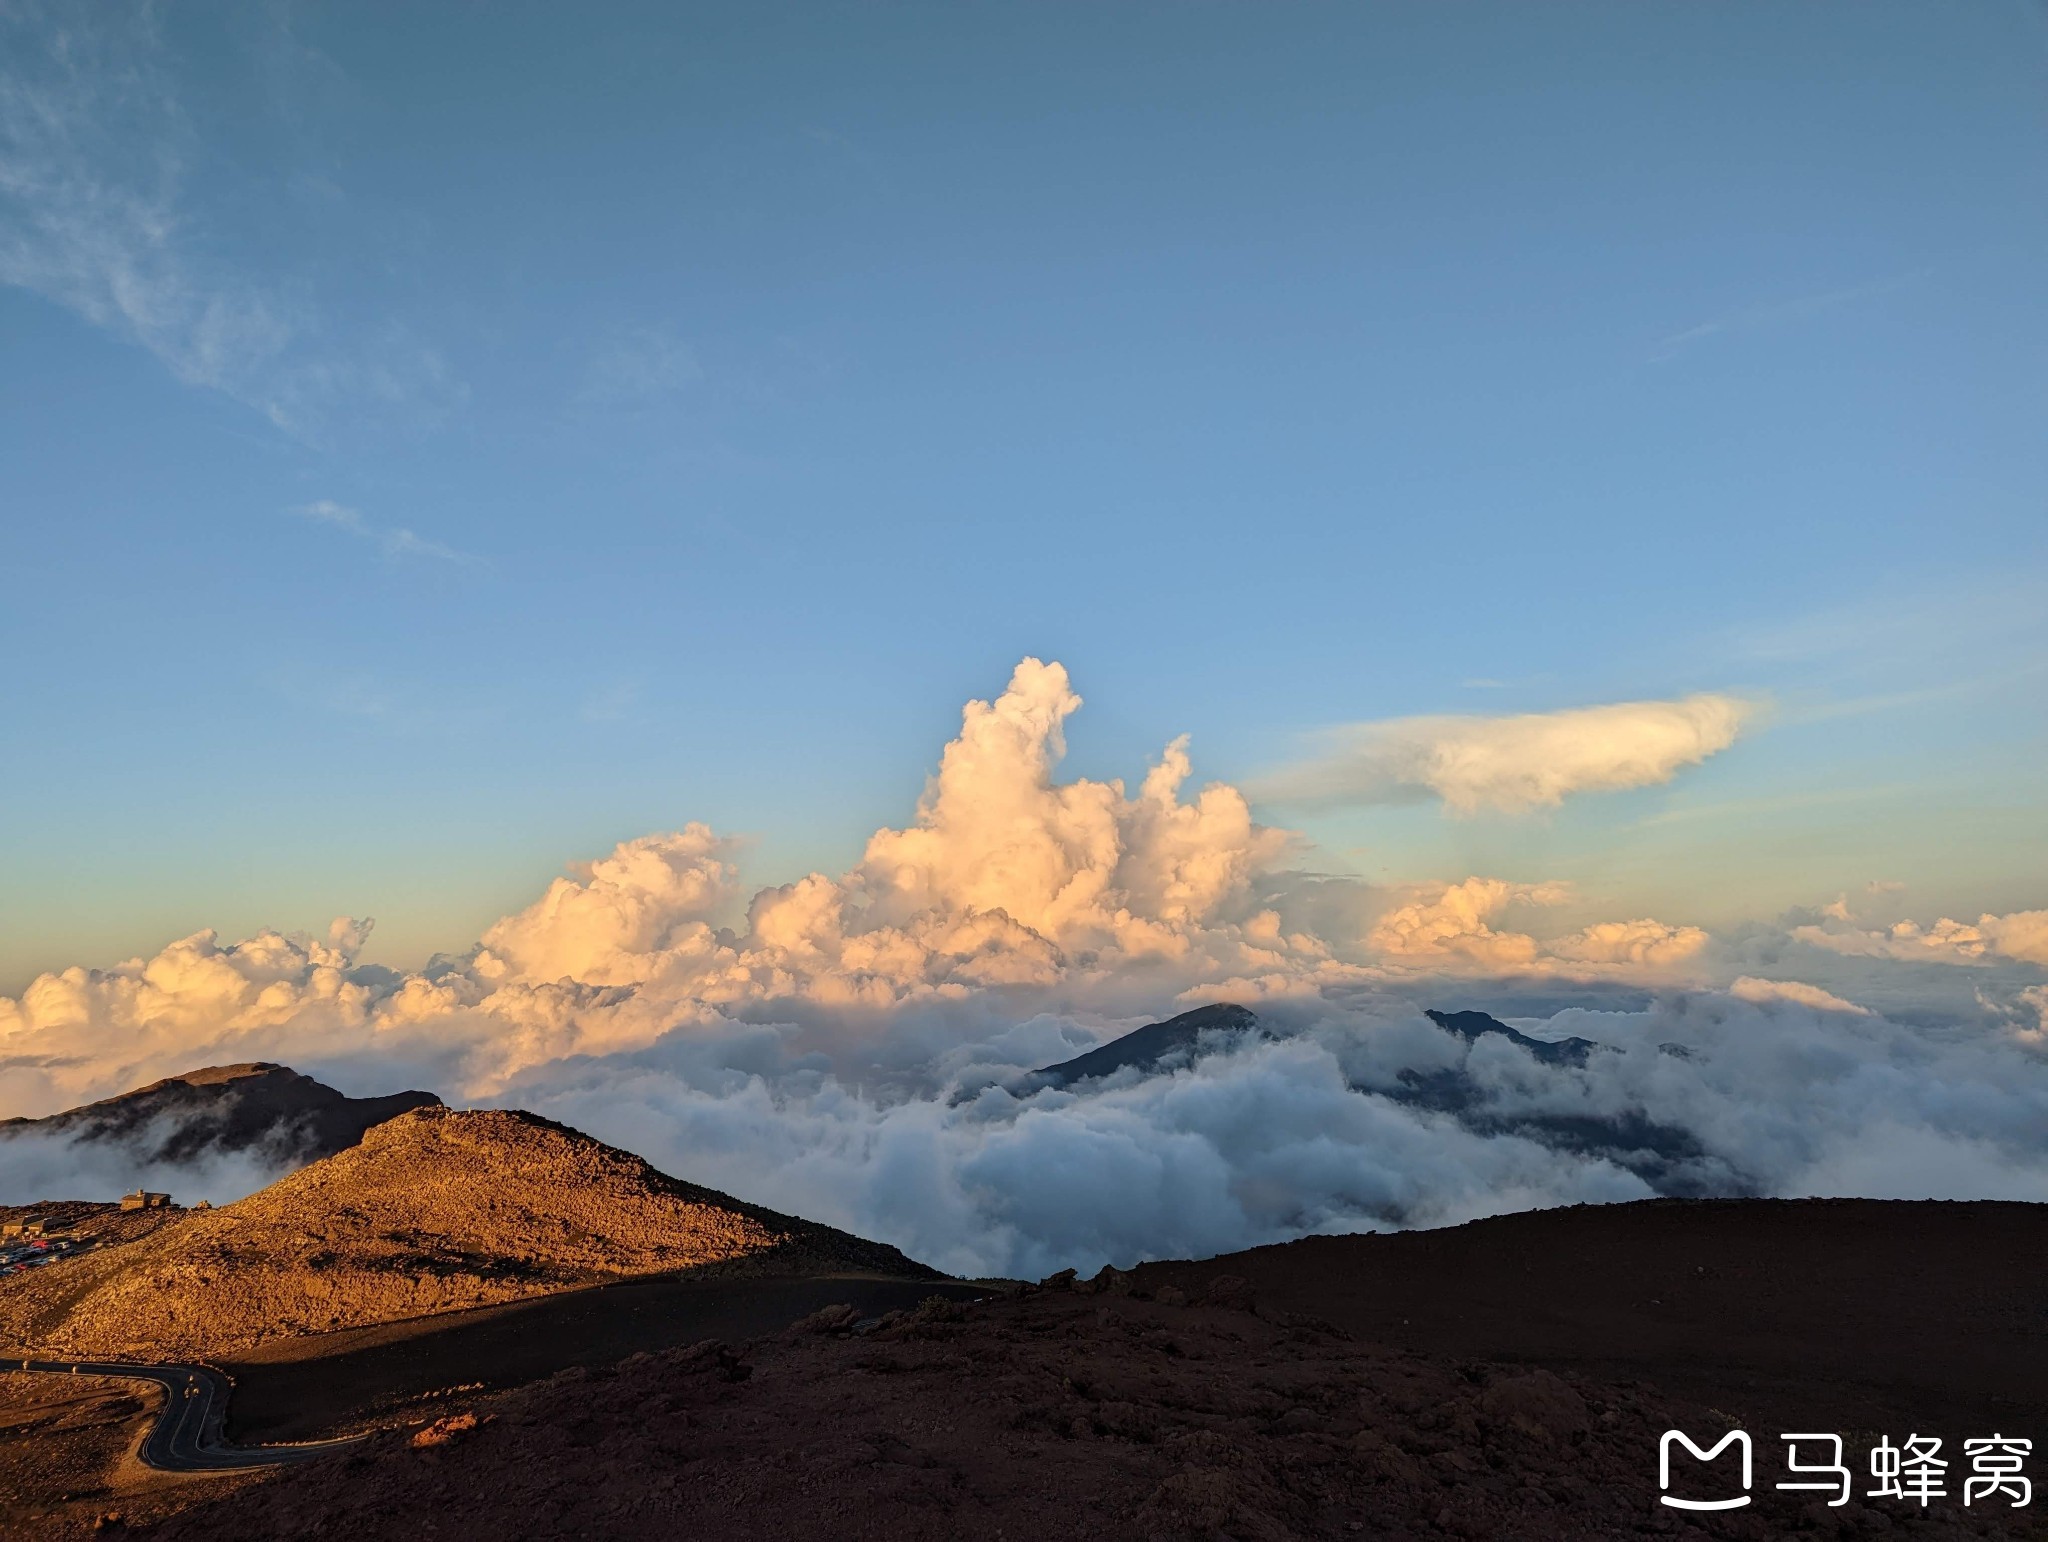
1052,1415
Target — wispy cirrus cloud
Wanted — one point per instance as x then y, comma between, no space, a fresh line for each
636,368
1750,318
101,173
394,541
1511,764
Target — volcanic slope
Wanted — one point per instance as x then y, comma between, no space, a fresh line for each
1084,1410
1156,1047
434,1211
231,1108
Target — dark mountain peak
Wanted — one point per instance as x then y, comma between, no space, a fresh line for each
1473,1026
1218,1015
1664,1156
206,1076
221,1076
1151,1047
227,1108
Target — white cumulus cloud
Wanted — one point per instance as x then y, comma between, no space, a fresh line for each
2021,935
1452,927
1641,941
1009,884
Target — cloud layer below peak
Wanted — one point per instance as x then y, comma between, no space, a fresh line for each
855,1048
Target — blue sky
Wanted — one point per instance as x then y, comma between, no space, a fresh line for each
704,403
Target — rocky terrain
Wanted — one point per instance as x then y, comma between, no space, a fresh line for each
434,1211
1814,1313
224,1109
99,1223
1082,1410
1506,1379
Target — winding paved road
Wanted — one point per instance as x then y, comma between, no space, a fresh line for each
187,1435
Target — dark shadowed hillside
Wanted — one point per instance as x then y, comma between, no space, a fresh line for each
229,1108
1509,1379
1155,1047
1822,1312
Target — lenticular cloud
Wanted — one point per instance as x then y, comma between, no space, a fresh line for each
1528,761
856,1048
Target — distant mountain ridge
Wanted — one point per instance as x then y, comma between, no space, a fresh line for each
1178,1040
1669,1159
1473,1026
231,1108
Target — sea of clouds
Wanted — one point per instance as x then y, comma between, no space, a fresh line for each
852,1048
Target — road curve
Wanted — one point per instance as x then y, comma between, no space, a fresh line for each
187,1435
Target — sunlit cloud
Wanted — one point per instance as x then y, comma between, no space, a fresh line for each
1453,925
1453,928
1763,992
2021,935
855,1048
1008,879
1511,764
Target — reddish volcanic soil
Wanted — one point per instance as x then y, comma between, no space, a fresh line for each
1824,1314
1545,1356
1058,1416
